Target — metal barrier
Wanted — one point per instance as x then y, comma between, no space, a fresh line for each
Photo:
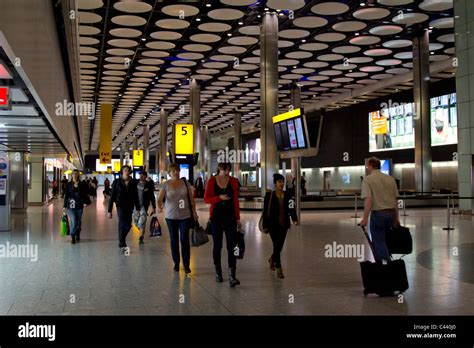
450,205
355,207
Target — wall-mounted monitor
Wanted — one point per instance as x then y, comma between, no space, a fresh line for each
291,132
392,128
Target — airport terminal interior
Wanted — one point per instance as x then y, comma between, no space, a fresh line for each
309,89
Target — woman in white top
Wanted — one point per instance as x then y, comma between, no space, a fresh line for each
180,213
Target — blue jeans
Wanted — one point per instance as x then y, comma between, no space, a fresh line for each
380,222
75,216
125,224
179,232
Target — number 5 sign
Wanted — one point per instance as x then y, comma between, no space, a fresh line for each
183,139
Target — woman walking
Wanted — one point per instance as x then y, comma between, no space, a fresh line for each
125,196
75,199
180,213
278,206
222,192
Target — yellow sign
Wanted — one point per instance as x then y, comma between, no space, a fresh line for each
138,158
183,139
105,146
379,123
287,115
117,166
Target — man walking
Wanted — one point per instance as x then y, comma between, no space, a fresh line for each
146,196
380,194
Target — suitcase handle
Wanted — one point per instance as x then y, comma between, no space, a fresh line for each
368,239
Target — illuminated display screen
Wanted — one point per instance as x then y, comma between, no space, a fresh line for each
393,128
290,134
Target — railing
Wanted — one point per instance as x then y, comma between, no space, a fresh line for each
450,204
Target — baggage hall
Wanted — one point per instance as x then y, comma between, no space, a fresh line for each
236,158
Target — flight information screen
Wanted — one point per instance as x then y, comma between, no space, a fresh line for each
290,134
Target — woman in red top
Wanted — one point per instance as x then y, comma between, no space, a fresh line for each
222,192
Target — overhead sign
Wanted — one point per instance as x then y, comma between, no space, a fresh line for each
287,115
183,139
138,158
4,98
105,147
117,166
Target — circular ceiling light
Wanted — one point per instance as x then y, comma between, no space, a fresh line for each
436,5
129,21
285,4
371,13
330,8
330,37
225,14
310,22
89,17
386,30
180,10
410,18
166,35
349,26
133,6
172,24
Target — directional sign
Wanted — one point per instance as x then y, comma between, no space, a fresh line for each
105,146
138,158
184,139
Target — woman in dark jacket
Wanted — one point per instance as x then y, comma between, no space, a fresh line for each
278,206
75,199
125,196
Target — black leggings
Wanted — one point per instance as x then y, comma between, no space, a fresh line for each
230,230
278,238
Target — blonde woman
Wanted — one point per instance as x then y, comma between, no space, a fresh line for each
180,213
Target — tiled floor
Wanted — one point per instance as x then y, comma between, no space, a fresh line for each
94,277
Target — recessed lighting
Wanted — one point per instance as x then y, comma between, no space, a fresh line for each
143,39
303,40
241,23
198,19
229,34
357,34
208,5
362,4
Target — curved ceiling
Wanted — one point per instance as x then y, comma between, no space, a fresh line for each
140,55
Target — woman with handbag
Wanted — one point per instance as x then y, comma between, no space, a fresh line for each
222,192
75,199
278,206
180,214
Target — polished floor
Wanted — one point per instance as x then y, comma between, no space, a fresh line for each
95,278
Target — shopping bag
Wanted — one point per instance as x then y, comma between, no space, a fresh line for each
64,225
135,229
199,236
155,227
239,249
209,228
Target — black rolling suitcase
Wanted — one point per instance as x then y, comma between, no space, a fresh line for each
383,279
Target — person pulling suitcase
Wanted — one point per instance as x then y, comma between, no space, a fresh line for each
380,194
